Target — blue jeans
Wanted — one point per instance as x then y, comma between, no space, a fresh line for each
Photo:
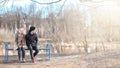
33,47
21,50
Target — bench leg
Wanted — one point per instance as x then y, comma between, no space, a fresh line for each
6,52
48,51
49,54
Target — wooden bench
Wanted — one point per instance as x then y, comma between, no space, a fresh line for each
10,49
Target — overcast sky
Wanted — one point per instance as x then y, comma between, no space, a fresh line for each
102,6
56,7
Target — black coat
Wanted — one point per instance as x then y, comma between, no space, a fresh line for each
31,39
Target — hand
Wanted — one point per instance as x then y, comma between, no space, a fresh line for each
19,46
23,46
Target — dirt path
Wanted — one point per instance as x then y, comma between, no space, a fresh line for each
94,60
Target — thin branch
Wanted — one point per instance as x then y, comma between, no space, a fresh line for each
61,8
2,1
3,4
46,3
12,3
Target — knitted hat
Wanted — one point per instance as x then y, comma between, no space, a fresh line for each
32,28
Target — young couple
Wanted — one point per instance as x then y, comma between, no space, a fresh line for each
30,39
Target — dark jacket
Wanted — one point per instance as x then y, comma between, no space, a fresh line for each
31,39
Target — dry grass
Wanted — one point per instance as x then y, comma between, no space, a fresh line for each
6,36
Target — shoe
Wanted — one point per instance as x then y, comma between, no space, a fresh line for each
33,60
23,60
19,61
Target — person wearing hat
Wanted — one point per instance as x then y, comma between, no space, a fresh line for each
31,41
20,42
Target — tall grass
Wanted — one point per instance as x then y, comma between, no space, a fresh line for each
6,35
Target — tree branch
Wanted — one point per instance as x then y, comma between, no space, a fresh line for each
61,8
46,3
3,3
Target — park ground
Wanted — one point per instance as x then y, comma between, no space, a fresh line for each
105,59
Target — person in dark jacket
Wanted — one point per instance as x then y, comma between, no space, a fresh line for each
31,41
